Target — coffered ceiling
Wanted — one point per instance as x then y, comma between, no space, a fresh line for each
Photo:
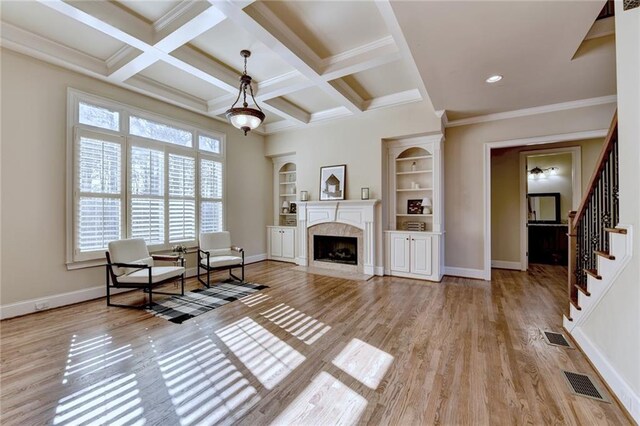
311,60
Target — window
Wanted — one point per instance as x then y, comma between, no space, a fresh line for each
145,178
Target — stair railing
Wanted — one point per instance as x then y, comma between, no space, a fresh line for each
598,210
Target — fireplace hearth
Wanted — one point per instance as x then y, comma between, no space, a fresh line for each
334,249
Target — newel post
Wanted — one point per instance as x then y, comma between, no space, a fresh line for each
572,261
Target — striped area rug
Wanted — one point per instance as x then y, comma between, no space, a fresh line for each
178,309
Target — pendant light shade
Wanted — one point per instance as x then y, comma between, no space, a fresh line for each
245,118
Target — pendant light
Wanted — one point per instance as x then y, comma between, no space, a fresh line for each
245,118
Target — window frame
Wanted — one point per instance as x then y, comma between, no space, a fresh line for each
76,259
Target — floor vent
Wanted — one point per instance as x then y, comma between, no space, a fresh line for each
583,385
556,339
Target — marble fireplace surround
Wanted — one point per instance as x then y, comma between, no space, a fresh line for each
356,213
340,230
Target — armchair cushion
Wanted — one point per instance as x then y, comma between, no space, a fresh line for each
133,250
158,273
210,241
220,261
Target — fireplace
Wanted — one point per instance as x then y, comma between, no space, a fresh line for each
335,249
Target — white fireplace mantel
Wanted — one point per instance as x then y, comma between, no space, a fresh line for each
358,213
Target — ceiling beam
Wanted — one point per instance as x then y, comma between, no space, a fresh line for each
288,110
288,48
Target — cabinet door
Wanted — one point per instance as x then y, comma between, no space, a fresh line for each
288,243
421,254
399,245
275,243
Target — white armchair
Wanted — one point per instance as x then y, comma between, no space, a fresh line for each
215,253
129,265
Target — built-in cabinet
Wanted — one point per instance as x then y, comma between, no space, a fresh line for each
414,240
281,241
281,236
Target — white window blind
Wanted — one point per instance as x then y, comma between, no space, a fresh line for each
98,193
182,198
210,195
147,194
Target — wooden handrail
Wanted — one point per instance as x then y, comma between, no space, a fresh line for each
604,153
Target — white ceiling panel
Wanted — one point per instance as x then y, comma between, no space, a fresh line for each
311,100
150,10
331,27
47,23
385,80
225,41
170,76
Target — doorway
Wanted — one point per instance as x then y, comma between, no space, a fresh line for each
552,190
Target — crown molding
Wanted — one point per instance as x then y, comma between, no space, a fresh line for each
405,97
582,103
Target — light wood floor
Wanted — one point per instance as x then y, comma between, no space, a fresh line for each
308,350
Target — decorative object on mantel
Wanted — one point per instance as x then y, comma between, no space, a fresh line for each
285,207
245,118
333,182
293,208
426,205
304,196
414,206
364,193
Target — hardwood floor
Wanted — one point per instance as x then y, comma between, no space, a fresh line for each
308,350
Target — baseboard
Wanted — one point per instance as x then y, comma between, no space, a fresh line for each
616,383
379,271
477,274
503,264
29,306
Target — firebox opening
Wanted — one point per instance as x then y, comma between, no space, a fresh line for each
332,249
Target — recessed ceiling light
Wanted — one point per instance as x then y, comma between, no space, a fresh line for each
494,79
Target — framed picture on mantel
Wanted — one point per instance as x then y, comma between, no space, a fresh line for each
333,182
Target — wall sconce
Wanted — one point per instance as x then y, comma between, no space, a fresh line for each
538,173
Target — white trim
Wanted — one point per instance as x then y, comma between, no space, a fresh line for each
616,382
582,103
503,264
58,300
379,271
537,140
476,274
576,189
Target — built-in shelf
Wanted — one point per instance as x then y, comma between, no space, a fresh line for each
288,173
416,172
413,215
287,214
287,195
288,183
414,190
419,157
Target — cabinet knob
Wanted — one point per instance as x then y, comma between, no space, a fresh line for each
407,238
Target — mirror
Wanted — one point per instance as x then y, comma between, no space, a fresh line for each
544,208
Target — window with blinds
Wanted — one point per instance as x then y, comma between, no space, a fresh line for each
98,192
210,195
146,181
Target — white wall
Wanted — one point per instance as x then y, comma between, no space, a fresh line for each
614,326
356,142
34,96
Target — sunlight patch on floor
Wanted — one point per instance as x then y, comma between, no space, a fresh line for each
364,362
90,355
326,401
268,358
255,299
298,324
205,387
114,400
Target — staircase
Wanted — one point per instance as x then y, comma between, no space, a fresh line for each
599,247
